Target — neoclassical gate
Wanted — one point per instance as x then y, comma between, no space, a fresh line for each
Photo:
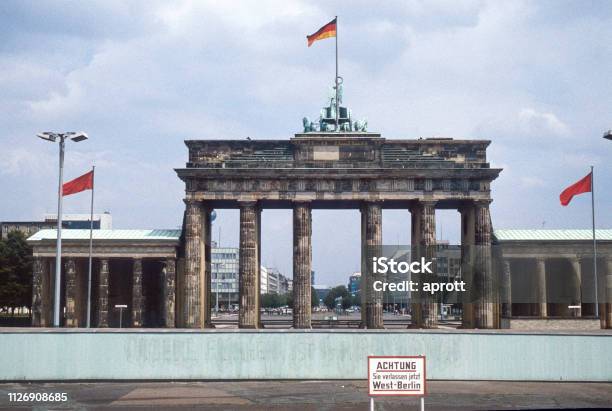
337,170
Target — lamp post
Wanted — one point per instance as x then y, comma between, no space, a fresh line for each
217,265
61,138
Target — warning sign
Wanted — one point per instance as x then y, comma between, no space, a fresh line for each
396,375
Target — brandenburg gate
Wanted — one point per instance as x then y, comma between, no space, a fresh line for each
329,170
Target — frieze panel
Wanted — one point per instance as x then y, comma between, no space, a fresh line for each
337,186
384,185
419,184
457,185
446,184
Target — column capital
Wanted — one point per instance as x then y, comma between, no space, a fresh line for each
69,264
192,202
170,262
248,204
465,207
482,203
416,204
370,203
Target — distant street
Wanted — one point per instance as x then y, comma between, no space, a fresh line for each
323,320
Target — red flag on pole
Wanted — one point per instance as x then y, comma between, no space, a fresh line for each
582,186
85,182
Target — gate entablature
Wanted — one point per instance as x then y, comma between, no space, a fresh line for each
338,167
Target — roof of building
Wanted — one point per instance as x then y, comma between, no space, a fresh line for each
133,235
552,235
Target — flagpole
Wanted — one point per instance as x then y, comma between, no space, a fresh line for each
93,169
58,252
594,242
337,123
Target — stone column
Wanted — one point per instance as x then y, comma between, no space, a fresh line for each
248,316
103,276
258,277
38,266
541,288
425,312
196,284
193,261
506,283
577,285
484,307
46,317
70,272
137,300
371,235
468,225
364,268
169,295
607,313
206,271
302,265
49,296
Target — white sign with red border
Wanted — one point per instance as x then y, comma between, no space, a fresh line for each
403,375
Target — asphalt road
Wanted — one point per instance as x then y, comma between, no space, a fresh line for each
309,395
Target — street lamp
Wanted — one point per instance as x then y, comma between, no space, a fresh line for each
608,135
53,137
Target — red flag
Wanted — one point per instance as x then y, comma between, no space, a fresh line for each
85,182
582,186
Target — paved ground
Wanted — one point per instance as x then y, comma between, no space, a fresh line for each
310,395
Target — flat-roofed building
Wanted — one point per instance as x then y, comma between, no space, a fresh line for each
546,272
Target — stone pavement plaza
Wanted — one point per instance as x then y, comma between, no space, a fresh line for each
312,395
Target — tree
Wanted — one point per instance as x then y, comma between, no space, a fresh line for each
356,299
339,291
270,300
273,300
314,297
15,271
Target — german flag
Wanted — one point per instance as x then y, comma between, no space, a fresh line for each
327,31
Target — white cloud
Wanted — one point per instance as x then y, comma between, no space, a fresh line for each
532,122
141,78
532,182
19,162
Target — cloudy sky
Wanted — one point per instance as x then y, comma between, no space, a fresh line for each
141,77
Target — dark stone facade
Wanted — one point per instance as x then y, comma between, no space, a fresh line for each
338,170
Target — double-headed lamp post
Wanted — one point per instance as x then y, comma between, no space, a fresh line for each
61,138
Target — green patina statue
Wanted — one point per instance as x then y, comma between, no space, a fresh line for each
327,118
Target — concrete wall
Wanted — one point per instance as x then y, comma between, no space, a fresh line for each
296,354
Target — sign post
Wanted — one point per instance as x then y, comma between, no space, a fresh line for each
120,307
396,375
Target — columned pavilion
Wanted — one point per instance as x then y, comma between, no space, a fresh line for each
135,268
549,273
